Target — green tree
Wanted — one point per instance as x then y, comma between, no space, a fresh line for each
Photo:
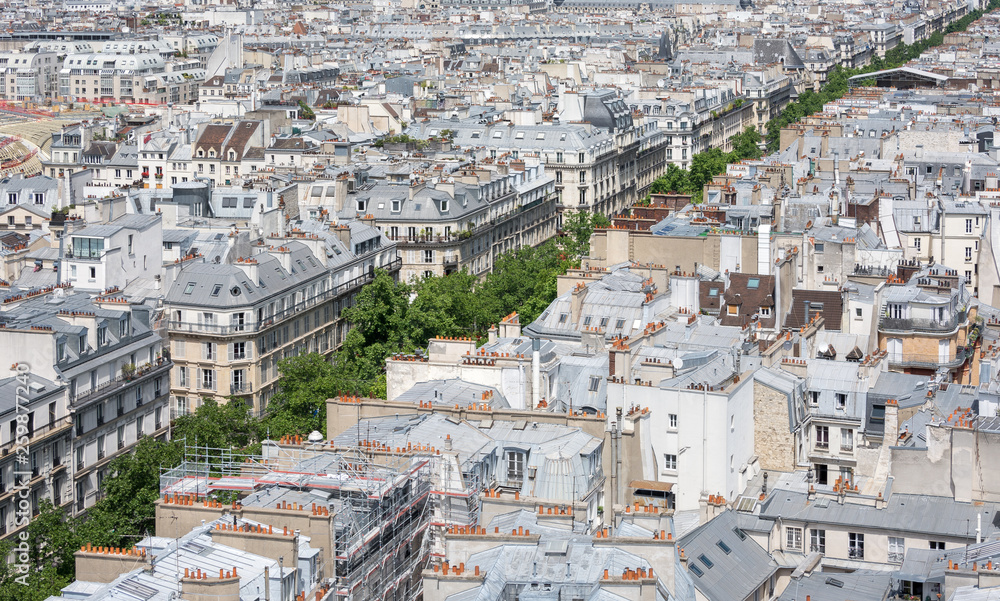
299,405
578,228
444,306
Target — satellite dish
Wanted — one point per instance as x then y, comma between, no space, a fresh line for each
315,436
677,362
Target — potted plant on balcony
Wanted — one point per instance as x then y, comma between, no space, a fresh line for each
128,371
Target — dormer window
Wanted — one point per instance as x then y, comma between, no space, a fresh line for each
211,154
361,205
232,155
201,152
444,206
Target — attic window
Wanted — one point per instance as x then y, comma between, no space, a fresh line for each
395,206
497,134
476,134
216,290
540,136
563,317
713,292
189,288
705,560
725,548
740,533
753,283
620,324
878,413
604,322
595,383
519,135
696,570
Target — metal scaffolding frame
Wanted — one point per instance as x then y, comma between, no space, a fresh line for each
379,506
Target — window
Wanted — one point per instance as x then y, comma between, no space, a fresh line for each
819,247
182,377
713,292
139,427
846,439
725,548
817,541
856,545
558,177
130,244
216,289
753,283
670,462
239,380
208,379
916,244
121,437
897,545
208,351
793,539
100,447
189,288
841,400
428,256
583,177
968,253
821,473
968,229
706,561
822,437
515,466
936,545
733,309
595,383
239,350
673,420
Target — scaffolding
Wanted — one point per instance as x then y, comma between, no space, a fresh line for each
379,508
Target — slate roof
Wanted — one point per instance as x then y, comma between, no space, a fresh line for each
734,575
861,585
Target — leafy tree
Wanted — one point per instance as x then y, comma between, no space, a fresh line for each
578,228
300,403
444,306
219,426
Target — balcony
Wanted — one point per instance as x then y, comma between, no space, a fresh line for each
160,366
913,324
895,557
240,389
856,552
928,361
424,240
206,328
